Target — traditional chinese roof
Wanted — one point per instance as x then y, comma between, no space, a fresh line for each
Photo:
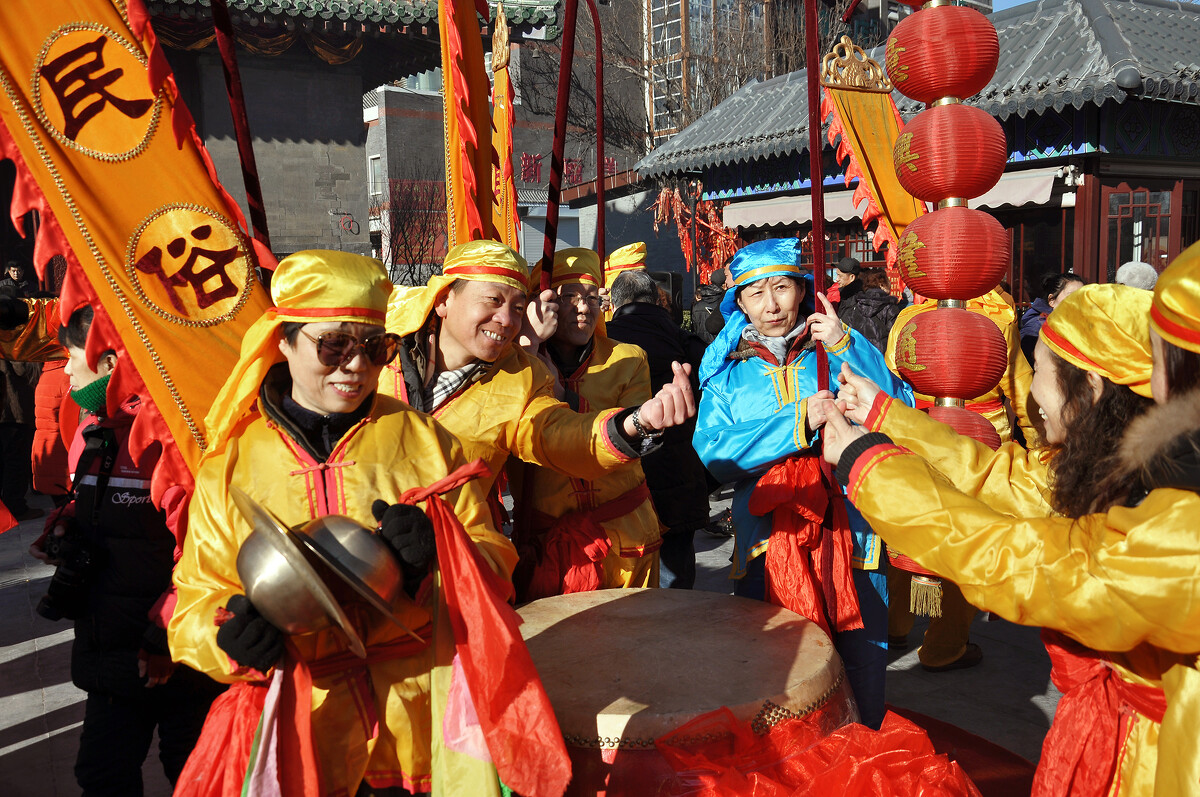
1053,53
373,15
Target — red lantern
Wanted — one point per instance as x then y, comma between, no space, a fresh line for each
950,151
970,424
953,253
948,51
951,352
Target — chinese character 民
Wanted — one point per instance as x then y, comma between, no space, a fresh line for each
151,263
80,84
531,168
572,171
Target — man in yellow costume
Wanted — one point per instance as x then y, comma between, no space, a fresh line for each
631,257
947,644
300,427
459,361
586,534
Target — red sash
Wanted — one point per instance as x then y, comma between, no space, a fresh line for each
1082,751
567,553
809,551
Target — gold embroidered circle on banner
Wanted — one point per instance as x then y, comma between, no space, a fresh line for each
92,97
188,264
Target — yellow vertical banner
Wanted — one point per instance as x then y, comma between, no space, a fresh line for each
504,187
864,126
467,122
108,154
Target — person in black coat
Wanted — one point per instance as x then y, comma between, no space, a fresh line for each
707,320
114,552
872,310
674,473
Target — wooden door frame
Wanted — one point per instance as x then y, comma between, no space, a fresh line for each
1113,185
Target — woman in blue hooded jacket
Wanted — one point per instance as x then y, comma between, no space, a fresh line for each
752,430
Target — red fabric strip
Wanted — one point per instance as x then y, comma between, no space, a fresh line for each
283,313
566,554
879,410
467,269
1179,331
1091,723
868,459
514,712
808,565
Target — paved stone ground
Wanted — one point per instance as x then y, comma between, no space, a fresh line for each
1007,699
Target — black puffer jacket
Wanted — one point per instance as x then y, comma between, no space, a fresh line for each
132,553
674,473
706,313
871,313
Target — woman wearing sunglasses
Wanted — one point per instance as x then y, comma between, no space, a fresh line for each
299,427
1097,541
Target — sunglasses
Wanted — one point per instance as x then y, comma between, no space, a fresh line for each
335,349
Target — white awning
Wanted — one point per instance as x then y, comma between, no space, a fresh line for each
1034,186
789,210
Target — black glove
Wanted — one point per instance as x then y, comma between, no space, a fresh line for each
408,531
249,639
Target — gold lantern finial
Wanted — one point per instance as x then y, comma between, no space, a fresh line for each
848,67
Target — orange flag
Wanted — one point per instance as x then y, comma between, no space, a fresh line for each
108,154
504,205
467,121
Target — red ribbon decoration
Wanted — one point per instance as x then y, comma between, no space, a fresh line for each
809,554
518,722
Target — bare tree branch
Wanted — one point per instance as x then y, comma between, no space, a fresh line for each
413,222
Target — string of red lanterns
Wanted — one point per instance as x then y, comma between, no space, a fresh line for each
947,155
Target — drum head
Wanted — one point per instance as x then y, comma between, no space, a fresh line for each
634,664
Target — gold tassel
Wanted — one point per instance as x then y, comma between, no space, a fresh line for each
925,596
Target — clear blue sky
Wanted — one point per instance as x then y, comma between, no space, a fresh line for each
1000,5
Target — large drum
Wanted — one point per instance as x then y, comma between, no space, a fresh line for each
623,667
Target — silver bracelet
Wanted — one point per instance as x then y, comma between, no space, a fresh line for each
641,430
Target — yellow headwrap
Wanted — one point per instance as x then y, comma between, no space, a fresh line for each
1106,329
572,265
1175,313
627,258
309,287
481,261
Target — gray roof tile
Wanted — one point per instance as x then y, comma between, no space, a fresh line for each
1053,53
394,12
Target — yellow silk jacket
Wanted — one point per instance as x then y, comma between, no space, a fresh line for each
510,408
1124,581
393,449
613,375
1018,376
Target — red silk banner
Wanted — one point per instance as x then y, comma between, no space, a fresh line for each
108,154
